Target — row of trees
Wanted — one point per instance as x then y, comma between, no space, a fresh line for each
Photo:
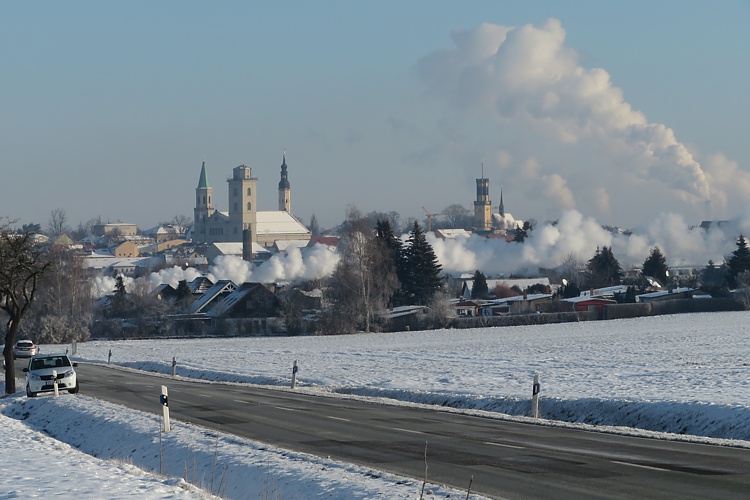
377,270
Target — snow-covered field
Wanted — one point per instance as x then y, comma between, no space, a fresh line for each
674,377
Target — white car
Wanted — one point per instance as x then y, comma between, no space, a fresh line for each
24,349
44,369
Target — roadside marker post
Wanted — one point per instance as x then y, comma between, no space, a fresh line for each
174,366
535,397
109,358
74,348
164,400
54,382
295,369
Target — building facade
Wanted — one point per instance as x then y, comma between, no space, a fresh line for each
243,222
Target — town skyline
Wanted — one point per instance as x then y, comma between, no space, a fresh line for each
113,108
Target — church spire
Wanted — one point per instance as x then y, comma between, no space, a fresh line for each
284,182
501,208
203,179
285,189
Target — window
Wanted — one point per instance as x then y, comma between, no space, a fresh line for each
249,192
249,206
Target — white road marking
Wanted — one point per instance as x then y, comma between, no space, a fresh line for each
339,418
287,409
505,445
241,401
407,430
641,466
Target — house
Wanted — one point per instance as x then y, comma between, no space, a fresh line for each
452,234
200,285
115,229
126,249
586,303
677,293
233,248
330,241
165,291
249,300
212,297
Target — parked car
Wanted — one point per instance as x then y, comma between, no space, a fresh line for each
44,369
25,349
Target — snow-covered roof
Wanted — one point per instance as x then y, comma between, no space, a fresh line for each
283,245
279,222
450,234
219,288
235,248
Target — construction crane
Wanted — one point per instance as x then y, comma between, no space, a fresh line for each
429,218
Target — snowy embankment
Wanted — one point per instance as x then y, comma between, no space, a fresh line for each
83,428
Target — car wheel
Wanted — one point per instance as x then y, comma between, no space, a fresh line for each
30,394
74,390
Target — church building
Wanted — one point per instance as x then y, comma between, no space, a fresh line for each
243,221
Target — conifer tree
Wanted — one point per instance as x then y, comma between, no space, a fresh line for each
738,262
603,269
479,288
395,250
422,278
656,266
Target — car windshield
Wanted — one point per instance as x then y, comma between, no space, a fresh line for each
25,343
51,362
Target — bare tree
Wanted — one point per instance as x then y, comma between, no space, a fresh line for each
457,216
365,278
58,222
180,224
22,264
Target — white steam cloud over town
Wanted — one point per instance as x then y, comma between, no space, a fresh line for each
585,146
548,246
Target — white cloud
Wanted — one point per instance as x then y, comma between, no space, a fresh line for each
597,154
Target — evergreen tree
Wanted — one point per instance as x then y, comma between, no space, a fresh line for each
603,269
656,266
738,262
120,303
184,296
422,278
395,250
479,288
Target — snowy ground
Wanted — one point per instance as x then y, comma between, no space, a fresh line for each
674,377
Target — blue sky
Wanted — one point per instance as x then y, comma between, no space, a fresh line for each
109,107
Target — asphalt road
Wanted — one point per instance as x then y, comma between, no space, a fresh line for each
505,459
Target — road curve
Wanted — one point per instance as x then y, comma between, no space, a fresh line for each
505,459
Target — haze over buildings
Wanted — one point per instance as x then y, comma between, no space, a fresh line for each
619,111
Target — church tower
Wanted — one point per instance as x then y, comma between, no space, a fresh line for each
483,206
242,206
204,206
501,208
285,189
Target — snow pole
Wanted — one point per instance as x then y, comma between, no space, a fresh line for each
535,397
109,358
164,400
295,369
174,366
54,382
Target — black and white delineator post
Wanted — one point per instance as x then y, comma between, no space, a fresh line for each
535,397
295,369
54,382
174,366
164,400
